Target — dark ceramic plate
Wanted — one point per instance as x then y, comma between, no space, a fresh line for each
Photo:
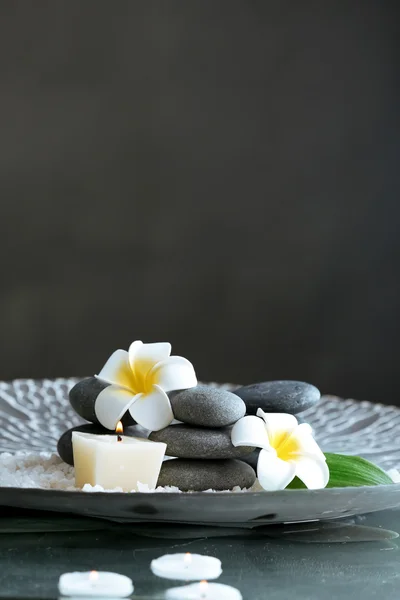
33,414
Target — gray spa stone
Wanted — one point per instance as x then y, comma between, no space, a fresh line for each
207,406
83,396
200,475
252,459
64,446
279,396
186,441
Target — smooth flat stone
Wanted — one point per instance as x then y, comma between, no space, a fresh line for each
207,406
186,441
279,396
83,396
200,475
252,459
64,446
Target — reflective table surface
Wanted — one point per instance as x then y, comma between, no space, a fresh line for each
354,558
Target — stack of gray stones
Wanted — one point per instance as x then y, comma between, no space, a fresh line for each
199,441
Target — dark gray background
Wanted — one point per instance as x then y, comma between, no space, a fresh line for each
222,175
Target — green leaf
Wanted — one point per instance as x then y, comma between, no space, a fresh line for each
349,471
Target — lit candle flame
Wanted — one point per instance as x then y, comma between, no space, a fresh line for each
203,587
119,430
187,559
93,575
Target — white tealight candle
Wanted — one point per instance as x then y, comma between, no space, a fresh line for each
203,591
116,461
186,567
95,584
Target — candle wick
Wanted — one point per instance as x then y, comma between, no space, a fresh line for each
119,430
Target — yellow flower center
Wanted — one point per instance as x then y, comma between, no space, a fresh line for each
143,382
285,444
136,379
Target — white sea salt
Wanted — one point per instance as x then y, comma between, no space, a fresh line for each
29,470
47,471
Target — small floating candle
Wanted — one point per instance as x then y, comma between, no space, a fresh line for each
116,461
203,591
186,567
94,583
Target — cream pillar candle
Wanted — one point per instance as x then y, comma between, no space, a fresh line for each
115,461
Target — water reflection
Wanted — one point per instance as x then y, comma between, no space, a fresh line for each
325,532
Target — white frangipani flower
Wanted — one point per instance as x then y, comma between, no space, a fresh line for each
288,450
140,380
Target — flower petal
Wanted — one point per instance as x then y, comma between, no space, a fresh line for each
111,405
312,470
300,442
274,473
250,431
174,373
143,357
153,410
118,371
279,426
